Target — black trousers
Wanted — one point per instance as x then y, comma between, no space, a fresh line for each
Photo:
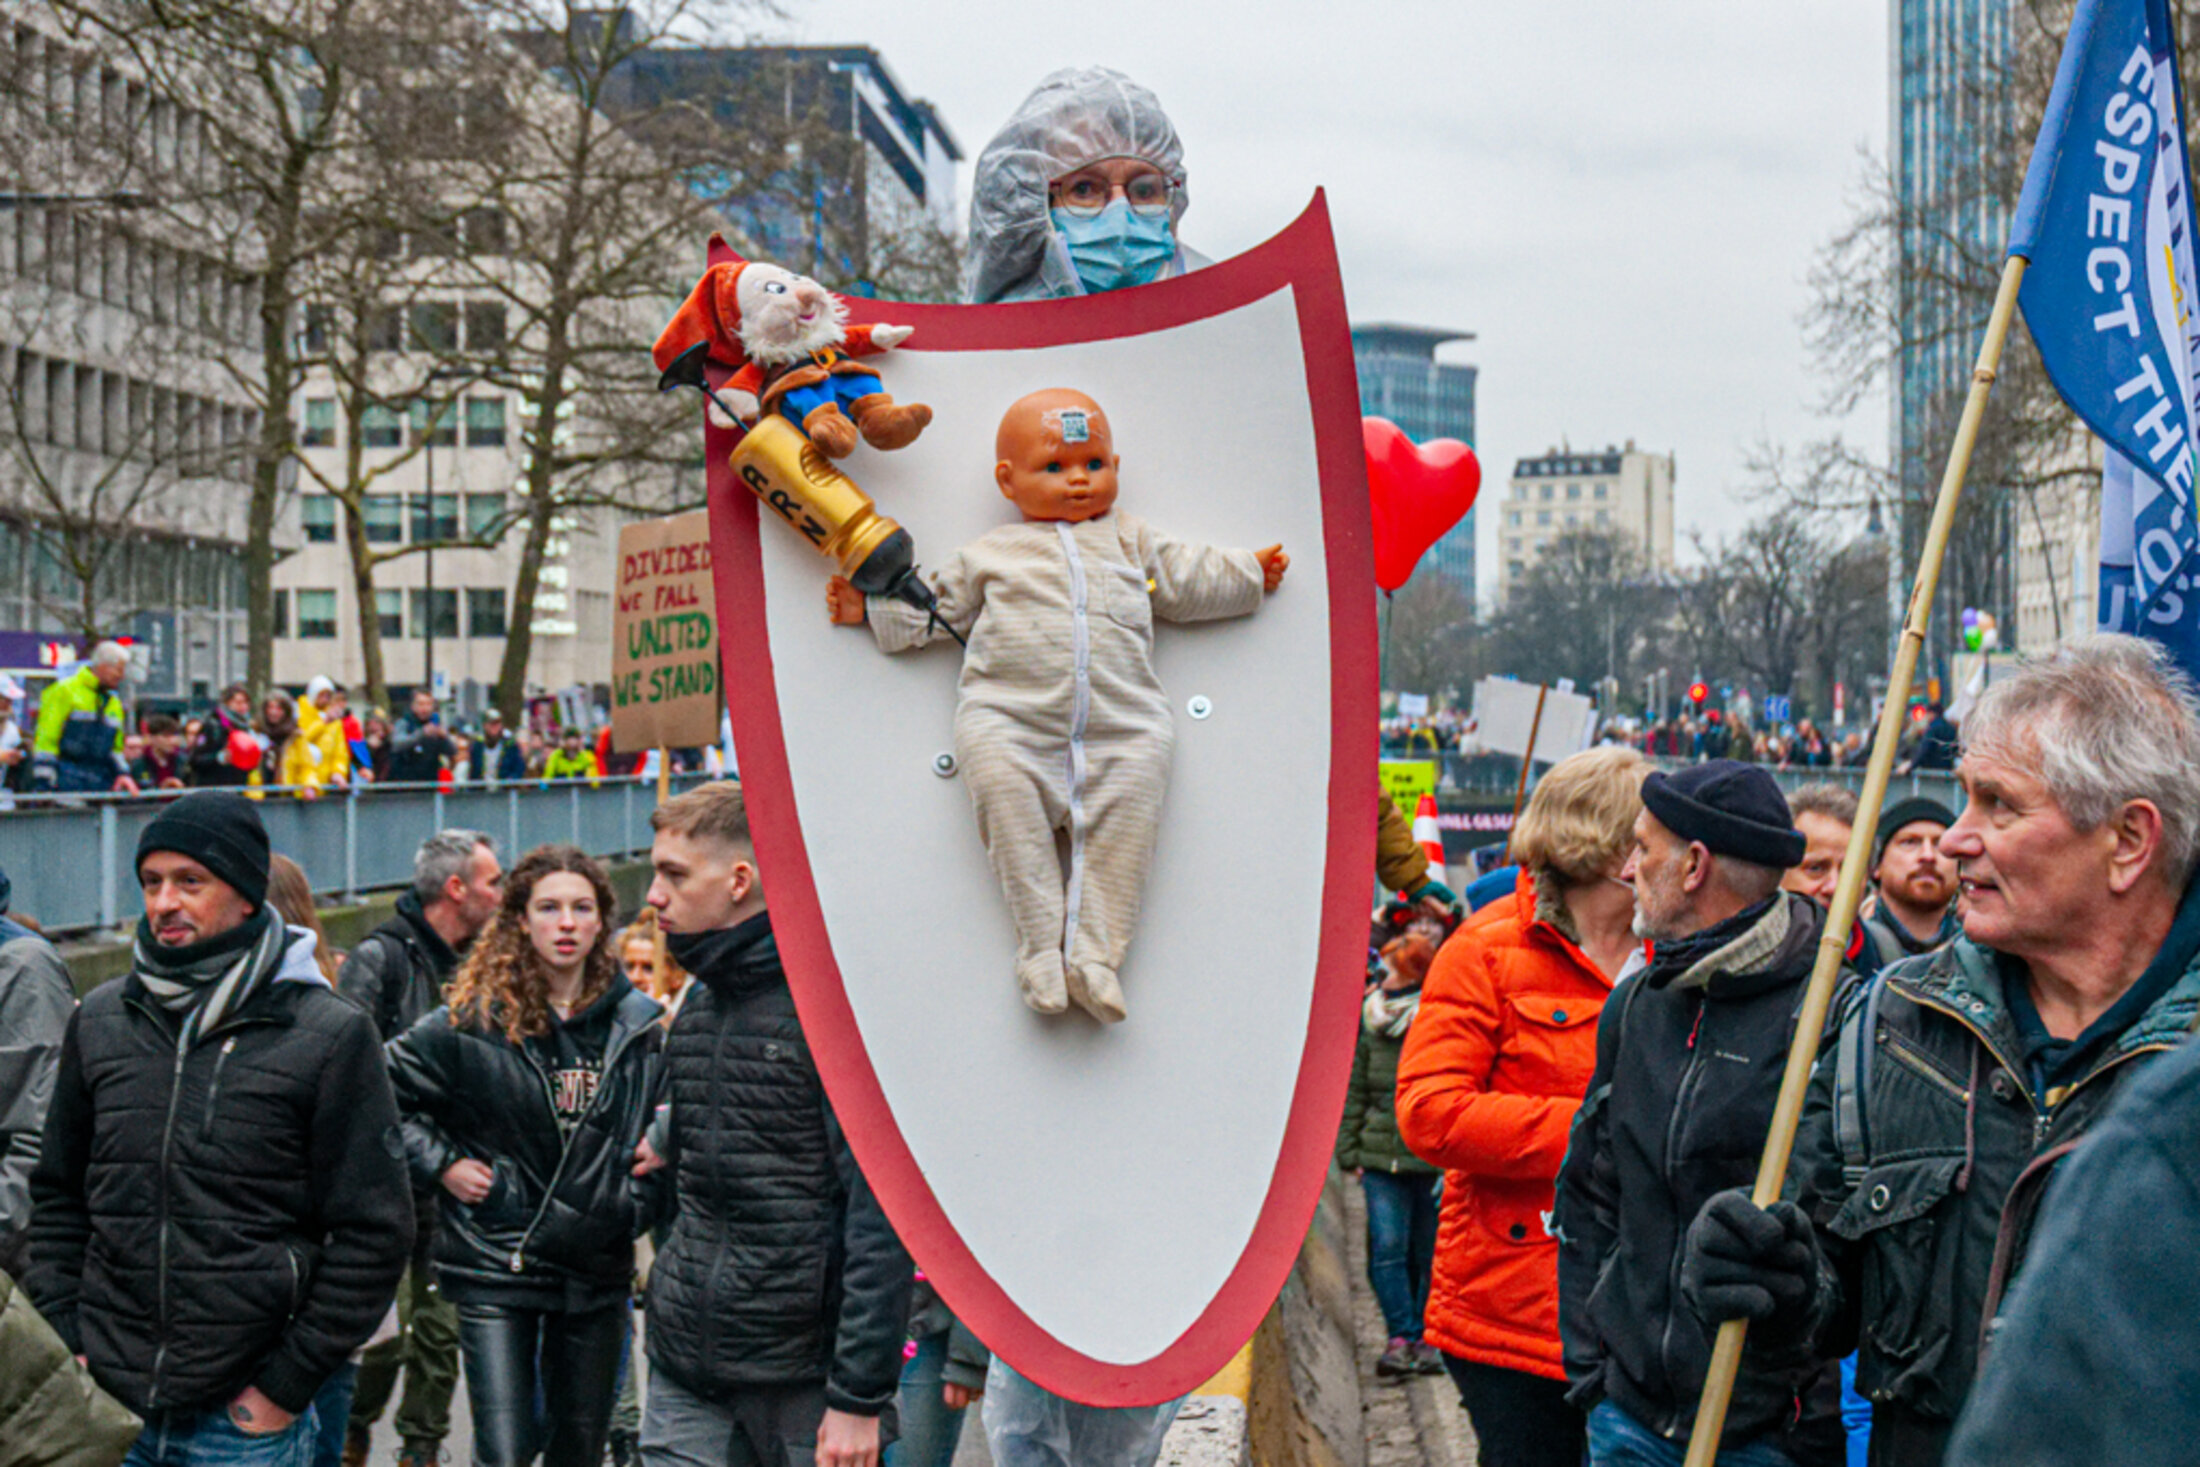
540,1381
1520,1420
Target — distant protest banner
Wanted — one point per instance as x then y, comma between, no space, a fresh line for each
664,654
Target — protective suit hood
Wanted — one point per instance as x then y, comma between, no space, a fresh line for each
1074,118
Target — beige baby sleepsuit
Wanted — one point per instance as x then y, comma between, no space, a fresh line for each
1061,723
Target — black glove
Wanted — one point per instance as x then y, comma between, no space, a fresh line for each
1742,1261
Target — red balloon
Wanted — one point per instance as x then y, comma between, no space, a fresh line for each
1418,492
244,750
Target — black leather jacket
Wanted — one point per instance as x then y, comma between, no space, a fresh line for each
398,970
781,1269
558,1226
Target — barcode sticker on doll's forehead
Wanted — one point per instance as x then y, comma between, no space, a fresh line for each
1074,424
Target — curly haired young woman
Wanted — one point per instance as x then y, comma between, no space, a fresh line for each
524,1098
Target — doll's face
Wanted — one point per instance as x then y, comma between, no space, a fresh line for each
784,314
1057,457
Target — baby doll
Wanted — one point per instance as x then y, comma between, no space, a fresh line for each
795,353
1061,724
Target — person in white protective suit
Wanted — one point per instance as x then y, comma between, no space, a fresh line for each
1061,723
1080,192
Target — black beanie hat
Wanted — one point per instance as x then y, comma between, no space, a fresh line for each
1907,812
220,831
1735,809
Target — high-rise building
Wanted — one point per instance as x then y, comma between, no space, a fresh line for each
1951,64
1620,489
1401,380
125,346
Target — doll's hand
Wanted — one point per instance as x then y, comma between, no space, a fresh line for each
743,403
886,338
843,602
1273,563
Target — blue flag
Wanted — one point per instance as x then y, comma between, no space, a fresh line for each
2106,222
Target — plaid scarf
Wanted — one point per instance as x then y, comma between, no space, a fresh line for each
208,981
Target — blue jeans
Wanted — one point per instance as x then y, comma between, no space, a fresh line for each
211,1439
332,1407
929,1428
1617,1439
1856,1416
1401,1242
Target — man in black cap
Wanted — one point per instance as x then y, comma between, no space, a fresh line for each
220,1211
1690,1049
1913,910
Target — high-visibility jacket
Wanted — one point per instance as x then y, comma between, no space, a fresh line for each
326,735
78,744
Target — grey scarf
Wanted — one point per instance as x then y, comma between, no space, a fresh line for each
208,981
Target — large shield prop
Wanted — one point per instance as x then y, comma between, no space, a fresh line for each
1111,1209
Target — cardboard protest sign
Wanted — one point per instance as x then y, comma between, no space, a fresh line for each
1504,712
664,637
1406,780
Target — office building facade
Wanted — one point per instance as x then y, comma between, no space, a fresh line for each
1624,490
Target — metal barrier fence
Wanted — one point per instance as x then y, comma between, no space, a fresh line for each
71,862
1496,774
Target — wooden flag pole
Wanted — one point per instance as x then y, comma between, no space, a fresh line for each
1810,1024
1527,761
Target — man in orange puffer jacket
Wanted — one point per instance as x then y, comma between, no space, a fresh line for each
1494,1068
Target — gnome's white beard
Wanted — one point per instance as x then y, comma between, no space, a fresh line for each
767,341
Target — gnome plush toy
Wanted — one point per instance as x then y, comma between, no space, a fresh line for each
794,353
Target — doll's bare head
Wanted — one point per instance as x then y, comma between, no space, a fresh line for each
1057,458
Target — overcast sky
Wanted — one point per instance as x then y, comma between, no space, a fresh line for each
1620,199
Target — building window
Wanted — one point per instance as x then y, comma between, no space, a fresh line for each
316,615
1573,491
389,614
320,324
484,327
385,329
317,516
485,231
445,434
385,519
281,617
1542,516
1604,516
1513,519
1546,494
441,525
485,613
320,425
484,422
1603,491
446,612
381,427
1515,568
435,326
485,516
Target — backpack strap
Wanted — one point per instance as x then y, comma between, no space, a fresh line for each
1852,1075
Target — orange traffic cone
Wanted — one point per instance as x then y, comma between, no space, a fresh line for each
1429,838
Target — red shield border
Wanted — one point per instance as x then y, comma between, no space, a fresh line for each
1303,258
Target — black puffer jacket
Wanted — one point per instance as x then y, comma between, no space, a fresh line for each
1689,1057
558,1226
781,1269
240,1218
398,970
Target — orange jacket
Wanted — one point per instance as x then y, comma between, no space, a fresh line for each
1494,1068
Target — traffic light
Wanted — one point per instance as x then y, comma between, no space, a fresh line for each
1698,691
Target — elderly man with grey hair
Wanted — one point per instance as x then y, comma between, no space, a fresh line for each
1961,1077
77,748
397,973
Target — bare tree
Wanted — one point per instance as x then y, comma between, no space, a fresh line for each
1430,640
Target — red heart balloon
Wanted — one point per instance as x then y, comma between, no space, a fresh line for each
1418,491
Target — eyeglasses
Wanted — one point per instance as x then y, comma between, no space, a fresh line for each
1085,195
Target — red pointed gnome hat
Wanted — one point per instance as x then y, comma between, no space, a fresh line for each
710,313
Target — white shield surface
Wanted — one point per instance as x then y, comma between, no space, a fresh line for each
1111,1208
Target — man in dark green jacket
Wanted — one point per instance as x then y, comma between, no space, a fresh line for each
1960,1079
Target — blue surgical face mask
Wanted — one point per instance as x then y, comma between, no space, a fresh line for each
1116,247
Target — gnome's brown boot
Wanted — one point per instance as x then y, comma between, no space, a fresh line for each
830,430
886,424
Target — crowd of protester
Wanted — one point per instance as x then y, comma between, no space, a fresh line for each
303,745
